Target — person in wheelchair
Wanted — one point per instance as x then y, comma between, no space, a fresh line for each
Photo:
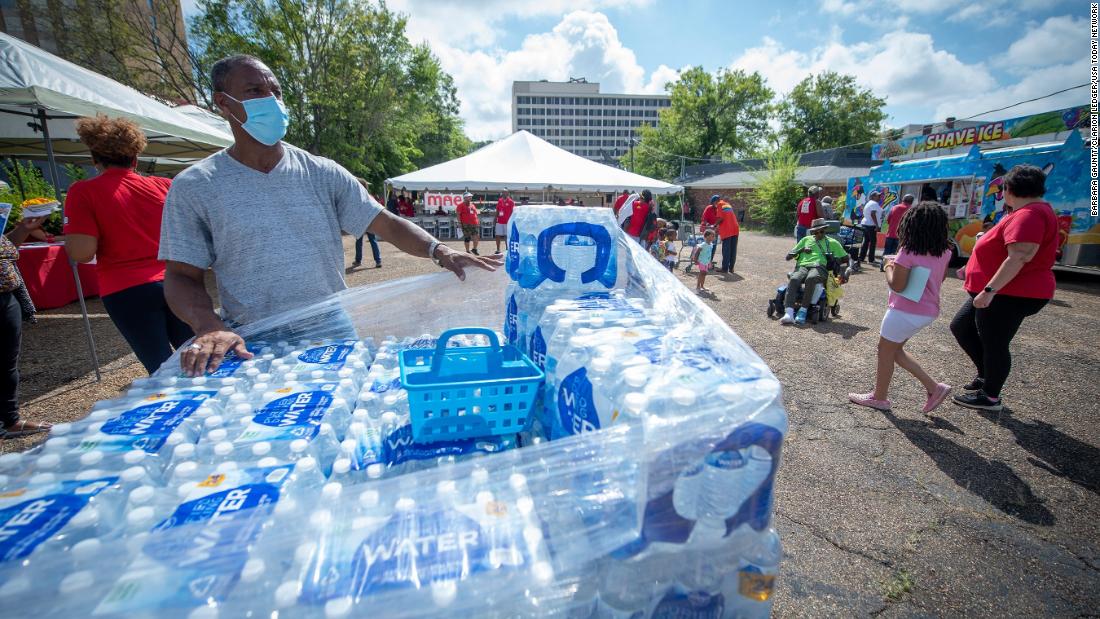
816,257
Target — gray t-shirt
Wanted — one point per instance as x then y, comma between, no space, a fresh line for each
273,240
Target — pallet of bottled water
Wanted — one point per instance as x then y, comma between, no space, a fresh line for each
289,484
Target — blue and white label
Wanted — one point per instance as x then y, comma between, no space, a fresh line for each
382,385
25,525
576,406
538,348
146,427
398,446
415,549
681,604
330,357
298,415
511,321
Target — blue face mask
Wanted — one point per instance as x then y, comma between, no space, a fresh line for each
267,119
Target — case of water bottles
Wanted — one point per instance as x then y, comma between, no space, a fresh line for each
292,484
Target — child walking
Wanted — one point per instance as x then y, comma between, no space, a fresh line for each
922,236
671,249
703,254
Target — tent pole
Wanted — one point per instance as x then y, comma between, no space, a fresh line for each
18,177
55,179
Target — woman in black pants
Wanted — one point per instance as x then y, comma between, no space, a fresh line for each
1008,278
12,314
115,218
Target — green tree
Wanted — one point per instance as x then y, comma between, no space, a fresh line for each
722,115
777,192
827,111
357,90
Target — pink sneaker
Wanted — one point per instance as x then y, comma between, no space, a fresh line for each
868,399
937,397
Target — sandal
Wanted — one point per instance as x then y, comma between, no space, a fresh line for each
19,428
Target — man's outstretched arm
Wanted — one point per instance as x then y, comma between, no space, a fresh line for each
186,295
415,241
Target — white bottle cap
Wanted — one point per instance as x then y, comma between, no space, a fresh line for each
226,467
404,504
636,402
578,341
91,458
517,481
339,607
543,572
217,435
242,409
253,570
134,456
142,495
252,371
259,386
731,392
204,612
223,449
41,478
227,390
87,549
269,461
175,438
446,488
306,464
525,505
90,474
317,374
374,471
533,536
636,377
299,445
261,449
61,429
601,365
444,592
11,461
320,519
264,378
479,476
58,443
185,470
332,490
198,381
341,466
683,397
47,462
286,595
389,400
140,517
15,586
596,322
484,497
369,499
185,451
185,489
213,421
134,474
87,517
389,417
75,582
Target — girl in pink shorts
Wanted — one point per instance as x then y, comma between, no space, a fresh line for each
922,236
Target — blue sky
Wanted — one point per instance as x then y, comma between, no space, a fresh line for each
929,58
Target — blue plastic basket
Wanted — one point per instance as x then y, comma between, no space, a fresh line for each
468,392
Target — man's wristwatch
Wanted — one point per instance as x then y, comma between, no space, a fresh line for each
990,289
431,252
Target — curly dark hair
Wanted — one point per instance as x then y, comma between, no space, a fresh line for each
113,141
923,230
1026,181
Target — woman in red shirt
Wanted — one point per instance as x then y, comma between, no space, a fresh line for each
636,225
1008,278
115,218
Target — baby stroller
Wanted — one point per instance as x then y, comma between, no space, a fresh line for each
826,298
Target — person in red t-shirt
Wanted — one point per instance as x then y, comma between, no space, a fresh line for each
505,205
405,206
893,223
729,229
467,218
807,212
1009,277
636,225
619,202
710,215
115,218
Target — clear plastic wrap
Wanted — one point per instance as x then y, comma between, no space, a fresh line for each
626,508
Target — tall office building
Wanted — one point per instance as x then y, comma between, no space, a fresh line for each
577,117
137,42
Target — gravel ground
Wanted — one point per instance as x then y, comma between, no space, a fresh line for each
898,514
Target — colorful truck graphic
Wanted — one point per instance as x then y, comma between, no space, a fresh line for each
969,187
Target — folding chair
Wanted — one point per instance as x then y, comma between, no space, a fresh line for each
444,228
488,226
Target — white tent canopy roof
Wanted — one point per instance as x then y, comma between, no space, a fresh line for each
31,78
524,162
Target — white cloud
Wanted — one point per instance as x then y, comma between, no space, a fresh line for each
1031,85
927,76
584,44
470,25
1058,40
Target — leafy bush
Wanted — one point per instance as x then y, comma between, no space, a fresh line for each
26,181
777,193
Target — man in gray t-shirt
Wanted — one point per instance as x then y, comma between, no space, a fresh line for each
267,218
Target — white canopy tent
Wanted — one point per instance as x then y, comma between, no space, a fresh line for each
37,87
524,162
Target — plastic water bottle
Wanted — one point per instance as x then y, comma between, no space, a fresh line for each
756,577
